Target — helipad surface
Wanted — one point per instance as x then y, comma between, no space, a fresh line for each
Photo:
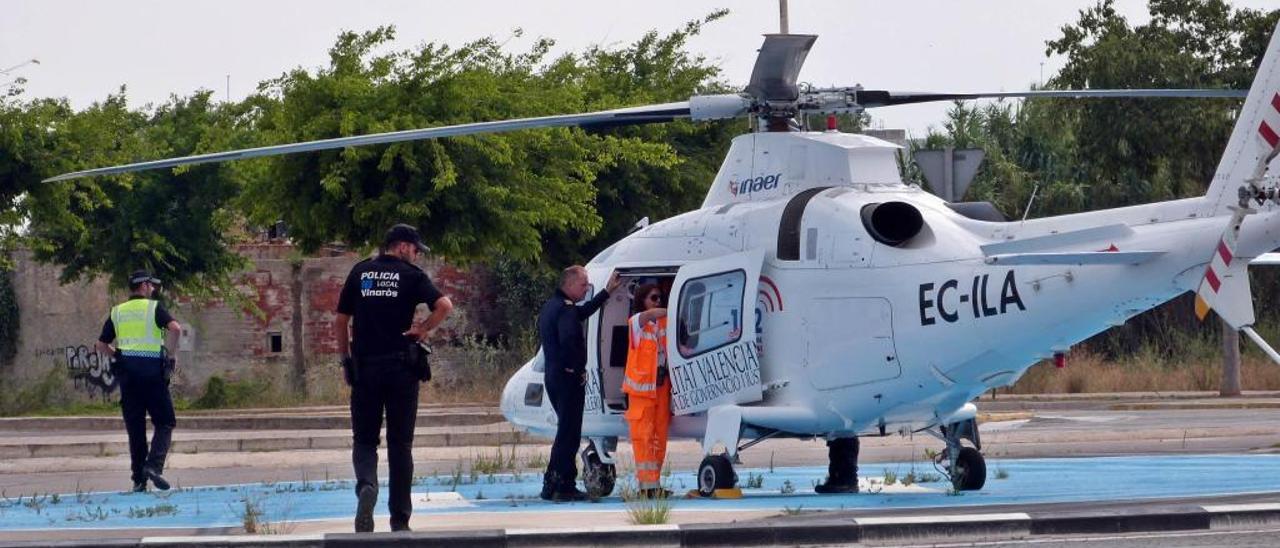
1015,481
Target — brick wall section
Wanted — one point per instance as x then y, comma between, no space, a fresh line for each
223,338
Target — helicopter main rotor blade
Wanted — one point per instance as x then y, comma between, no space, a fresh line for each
651,114
778,66
884,98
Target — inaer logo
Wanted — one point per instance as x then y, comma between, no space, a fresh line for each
756,184
379,284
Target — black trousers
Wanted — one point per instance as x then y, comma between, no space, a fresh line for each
385,386
568,396
142,395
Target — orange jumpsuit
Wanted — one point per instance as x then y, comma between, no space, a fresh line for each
648,402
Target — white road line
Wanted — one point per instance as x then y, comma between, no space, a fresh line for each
956,518
233,539
1256,507
588,530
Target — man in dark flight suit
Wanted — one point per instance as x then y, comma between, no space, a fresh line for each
564,354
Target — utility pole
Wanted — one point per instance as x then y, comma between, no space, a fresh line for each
1230,385
228,88
783,25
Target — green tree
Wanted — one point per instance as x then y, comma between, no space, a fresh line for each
547,194
473,196
173,222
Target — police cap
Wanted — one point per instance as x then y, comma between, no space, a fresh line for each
404,233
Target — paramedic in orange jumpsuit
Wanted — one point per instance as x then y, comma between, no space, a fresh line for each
648,389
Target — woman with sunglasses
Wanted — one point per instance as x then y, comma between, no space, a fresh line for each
648,389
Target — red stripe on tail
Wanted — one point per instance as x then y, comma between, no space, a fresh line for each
1275,102
1212,278
1225,252
1268,134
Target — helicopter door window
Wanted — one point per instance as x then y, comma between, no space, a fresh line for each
710,312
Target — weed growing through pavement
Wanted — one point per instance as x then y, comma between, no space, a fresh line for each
153,511
536,461
909,479
890,477
787,488
87,514
754,481
789,511
1001,473
642,510
35,503
484,463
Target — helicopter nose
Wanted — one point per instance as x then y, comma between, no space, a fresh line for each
510,396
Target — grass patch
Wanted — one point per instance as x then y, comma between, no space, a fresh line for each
475,370
787,488
754,481
153,511
1147,371
536,461
890,477
645,510
495,463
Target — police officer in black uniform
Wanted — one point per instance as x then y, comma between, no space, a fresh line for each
381,363
138,334
564,354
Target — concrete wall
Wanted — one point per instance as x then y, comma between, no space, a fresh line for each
281,324
58,325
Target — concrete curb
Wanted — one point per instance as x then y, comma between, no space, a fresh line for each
340,440
275,421
778,532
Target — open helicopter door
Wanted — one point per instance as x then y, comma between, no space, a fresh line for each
711,351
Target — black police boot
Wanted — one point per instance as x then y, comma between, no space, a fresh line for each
568,493
842,471
550,484
156,479
366,498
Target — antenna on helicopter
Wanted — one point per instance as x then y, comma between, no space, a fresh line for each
782,17
640,225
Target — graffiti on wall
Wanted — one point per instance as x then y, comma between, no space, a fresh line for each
89,369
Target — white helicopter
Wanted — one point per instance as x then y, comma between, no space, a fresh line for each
816,295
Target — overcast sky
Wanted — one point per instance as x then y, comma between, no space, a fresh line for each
88,49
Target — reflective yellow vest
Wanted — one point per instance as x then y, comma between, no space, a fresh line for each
136,332
647,351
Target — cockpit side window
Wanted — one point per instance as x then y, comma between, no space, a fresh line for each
710,313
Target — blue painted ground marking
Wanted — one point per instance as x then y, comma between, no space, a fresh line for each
1030,481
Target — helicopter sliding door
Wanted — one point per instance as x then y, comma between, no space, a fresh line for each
712,356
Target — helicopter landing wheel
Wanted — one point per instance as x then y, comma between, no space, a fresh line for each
715,472
597,476
969,473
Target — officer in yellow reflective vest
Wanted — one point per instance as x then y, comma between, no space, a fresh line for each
648,389
136,333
